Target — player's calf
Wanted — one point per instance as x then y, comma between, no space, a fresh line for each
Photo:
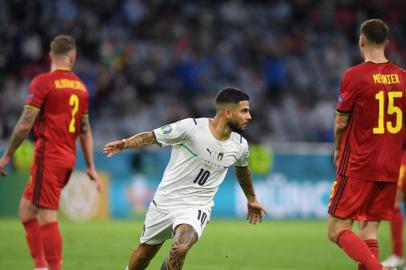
164,266
139,260
34,241
177,256
142,256
185,236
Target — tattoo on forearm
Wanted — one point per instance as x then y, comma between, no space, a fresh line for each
16,139
245,179
185,237
22,129
142,139
84,125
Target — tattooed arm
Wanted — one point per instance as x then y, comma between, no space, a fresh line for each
245,179
86,143
255,209
20,132
136,141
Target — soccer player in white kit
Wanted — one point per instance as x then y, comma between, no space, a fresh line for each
202,151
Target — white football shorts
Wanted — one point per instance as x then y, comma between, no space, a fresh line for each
159,226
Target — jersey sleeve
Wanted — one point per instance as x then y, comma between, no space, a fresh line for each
37,92
174,133
242,160
347,96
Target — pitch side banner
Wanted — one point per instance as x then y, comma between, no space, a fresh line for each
296,185
289,185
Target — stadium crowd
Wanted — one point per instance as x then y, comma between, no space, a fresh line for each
147,63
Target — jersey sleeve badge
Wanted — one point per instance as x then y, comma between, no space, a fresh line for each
165,130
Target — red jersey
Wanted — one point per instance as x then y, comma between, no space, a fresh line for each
62,100
374,95
403,160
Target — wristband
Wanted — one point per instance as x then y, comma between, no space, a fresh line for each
125,141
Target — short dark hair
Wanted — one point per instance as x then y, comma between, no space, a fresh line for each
375,31
231,95
62,44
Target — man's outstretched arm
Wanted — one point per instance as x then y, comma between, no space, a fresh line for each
255,209
136,141
20,132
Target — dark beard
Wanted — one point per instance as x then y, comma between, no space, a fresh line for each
235,127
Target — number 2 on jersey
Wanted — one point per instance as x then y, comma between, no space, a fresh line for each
392,109
74,103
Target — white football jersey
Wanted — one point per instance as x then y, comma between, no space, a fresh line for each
198,163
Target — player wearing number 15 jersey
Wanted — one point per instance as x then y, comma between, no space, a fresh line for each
56,106
202,151
369,134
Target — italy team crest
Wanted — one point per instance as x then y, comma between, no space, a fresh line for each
220,156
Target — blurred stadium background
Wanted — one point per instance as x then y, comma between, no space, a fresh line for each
148,63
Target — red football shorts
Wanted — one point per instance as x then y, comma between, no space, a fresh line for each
45,185
362,200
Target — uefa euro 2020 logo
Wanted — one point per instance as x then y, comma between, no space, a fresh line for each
80,199
165,130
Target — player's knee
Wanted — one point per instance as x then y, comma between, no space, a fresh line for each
24,214
332,235
21,214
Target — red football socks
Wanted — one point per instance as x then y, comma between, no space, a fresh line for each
396,225
373,247
357,249
52,241
34,241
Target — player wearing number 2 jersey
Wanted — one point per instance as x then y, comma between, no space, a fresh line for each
57,107
202,151
62,100
369,134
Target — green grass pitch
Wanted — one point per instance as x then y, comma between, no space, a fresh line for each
225,245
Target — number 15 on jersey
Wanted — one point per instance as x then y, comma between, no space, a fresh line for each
391,109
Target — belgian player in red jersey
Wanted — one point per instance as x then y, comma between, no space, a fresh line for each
369,133
57,108
397,220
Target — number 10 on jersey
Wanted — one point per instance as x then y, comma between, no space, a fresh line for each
202,177
392,109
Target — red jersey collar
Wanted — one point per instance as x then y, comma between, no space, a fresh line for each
387,62
63,69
